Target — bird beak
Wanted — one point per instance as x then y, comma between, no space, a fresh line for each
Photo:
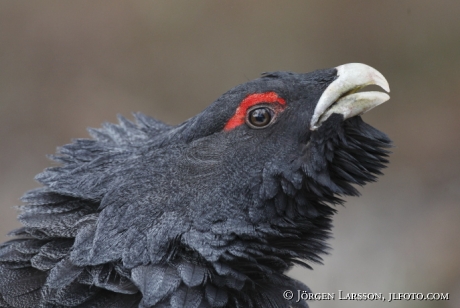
340,96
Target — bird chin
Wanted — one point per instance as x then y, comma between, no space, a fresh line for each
341,95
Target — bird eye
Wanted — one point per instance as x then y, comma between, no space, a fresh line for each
259,117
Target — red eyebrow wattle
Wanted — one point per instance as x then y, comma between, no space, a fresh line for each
249,101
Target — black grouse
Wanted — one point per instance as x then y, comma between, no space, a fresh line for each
208,213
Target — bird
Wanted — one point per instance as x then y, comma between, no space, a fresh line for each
212,212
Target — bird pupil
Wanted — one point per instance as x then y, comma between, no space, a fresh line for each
260,117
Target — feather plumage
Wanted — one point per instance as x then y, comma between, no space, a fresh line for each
151,215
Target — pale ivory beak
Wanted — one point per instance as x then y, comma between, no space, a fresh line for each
340,96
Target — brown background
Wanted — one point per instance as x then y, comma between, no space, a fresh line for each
67,65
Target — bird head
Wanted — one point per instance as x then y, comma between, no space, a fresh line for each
288,134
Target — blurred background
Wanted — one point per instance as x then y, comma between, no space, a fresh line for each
68,65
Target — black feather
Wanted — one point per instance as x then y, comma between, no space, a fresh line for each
195,215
